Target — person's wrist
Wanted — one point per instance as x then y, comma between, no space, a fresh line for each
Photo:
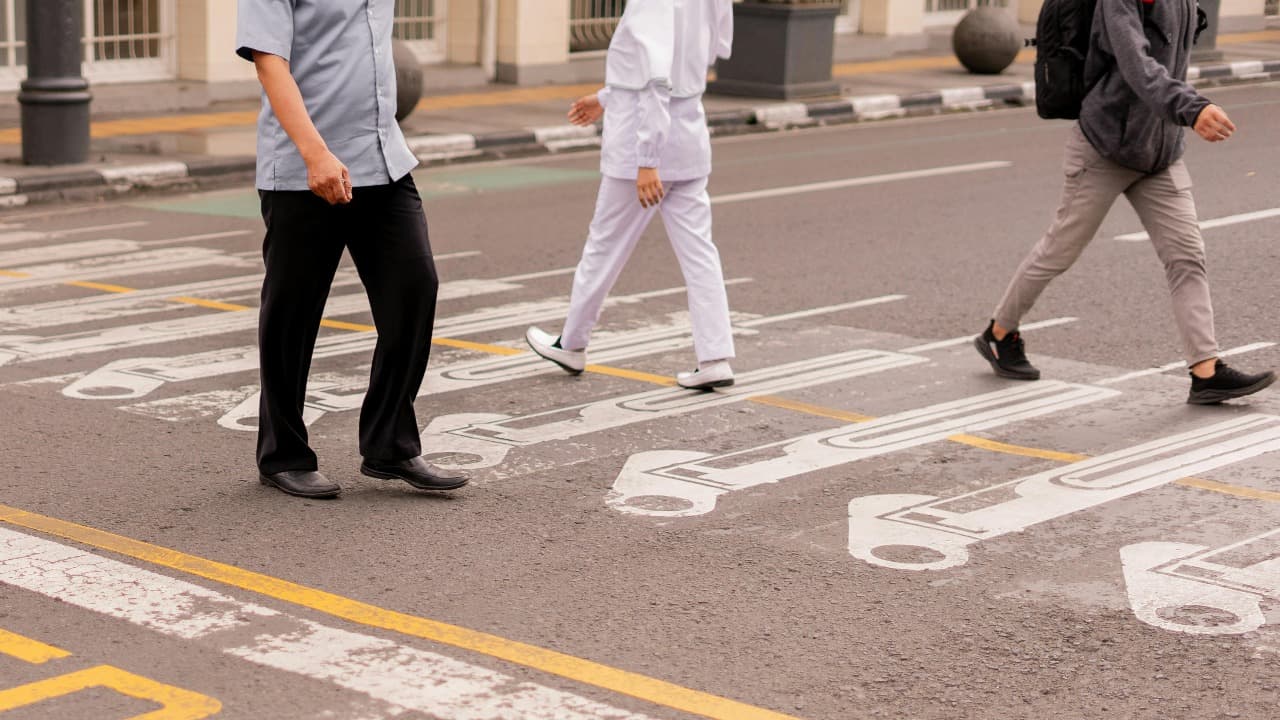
314,153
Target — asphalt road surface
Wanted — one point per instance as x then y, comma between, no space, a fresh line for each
869,524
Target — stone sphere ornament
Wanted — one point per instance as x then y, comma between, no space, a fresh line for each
408,80
987,40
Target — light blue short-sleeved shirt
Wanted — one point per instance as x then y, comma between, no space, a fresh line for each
339,52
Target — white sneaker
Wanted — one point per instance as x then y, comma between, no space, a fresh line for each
710,375
544,343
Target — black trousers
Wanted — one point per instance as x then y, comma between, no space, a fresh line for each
385,230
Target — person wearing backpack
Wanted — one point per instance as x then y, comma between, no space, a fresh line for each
1129,141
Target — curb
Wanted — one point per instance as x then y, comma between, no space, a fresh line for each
444,149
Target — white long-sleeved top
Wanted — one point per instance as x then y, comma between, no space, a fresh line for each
656,73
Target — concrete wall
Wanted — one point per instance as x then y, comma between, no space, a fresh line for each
533,40
206,43
892,17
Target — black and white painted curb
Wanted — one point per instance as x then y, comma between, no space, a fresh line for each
440,149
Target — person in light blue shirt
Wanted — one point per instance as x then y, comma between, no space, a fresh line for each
333,174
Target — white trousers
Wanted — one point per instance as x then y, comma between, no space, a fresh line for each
619,222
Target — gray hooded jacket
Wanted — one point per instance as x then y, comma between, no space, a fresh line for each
1139,51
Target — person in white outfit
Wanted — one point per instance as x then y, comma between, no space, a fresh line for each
655,157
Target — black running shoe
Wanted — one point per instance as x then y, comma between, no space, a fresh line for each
1227,383
1008,357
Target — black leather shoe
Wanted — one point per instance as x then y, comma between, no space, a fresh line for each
302,483
417,472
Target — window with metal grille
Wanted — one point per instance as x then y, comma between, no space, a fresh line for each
1273,7
592,22
421,23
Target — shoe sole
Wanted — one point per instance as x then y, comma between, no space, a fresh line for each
567,368
708,386
311,496
369,472
990,357
1215,397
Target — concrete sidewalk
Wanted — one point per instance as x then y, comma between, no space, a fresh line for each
217,145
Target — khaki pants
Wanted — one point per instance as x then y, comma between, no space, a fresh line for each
1163,202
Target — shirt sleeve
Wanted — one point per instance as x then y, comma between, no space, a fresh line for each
654,123
603,95
1171,97
264,26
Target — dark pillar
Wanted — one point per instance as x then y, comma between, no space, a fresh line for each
54,97
1206,49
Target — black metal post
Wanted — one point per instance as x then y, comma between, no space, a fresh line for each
55,96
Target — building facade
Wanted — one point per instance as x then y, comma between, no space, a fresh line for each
517,41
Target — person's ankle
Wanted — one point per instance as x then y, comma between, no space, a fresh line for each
998,332
1205,369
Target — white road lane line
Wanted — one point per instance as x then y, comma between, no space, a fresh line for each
922,532
966,339
21,236
201,238
1181,364
1211,224
488,438
683,483
131,264
858,182
1200,590
19,348
346,393
405,677
132,378
18,259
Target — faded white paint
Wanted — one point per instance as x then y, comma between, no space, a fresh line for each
922,532
489,438
405,678
681,483
1200,590
128,265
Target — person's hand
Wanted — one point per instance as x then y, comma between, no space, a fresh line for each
329,178
1214,125
586,110
649,187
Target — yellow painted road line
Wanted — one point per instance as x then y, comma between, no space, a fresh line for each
477,347
807,409
507,97
14,274
1249,37
1225,489
178,704
770,400
587,672
211,304
104,287
1007,449
28,650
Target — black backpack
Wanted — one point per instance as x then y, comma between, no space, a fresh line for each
1062,44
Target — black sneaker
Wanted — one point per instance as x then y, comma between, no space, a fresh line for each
1008,357
1227,383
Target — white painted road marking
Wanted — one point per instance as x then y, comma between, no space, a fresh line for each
32,349
1181,364
968,339
679,483
403,677
141,263
132,378
11,259
858,182
1200,590
921,532
489,437
347,393
1211,224
22,236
